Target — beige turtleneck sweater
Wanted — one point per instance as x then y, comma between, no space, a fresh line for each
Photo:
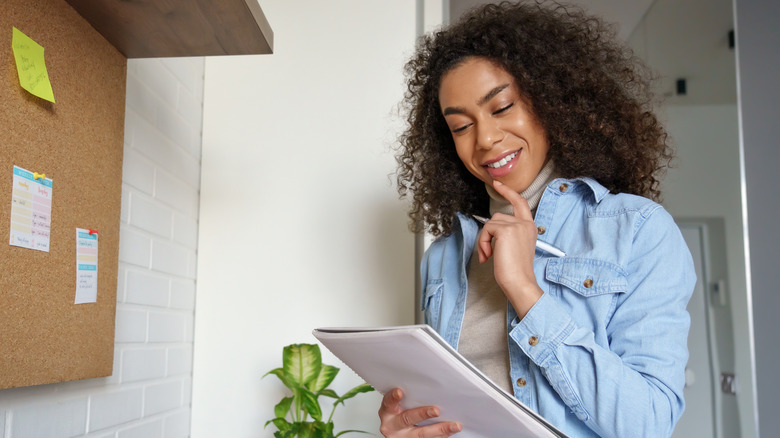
483,338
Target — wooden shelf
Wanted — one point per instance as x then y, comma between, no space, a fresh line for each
165,28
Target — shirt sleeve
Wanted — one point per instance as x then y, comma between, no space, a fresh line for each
635,386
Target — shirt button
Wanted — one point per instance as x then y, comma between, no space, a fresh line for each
533,340
521,382
563,187
541,230
588,283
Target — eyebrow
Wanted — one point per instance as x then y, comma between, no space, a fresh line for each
483,100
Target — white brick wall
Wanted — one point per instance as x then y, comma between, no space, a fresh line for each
149,394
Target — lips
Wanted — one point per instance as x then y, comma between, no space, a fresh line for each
502,166
502,162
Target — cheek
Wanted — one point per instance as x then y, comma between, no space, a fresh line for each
464,153
466,157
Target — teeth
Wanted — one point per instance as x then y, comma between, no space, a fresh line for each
502,162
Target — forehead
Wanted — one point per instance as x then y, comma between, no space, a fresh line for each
470,80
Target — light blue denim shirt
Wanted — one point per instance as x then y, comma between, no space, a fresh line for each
603,351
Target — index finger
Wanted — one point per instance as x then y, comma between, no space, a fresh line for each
519,204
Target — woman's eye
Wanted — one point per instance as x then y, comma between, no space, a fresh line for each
459,129
503,109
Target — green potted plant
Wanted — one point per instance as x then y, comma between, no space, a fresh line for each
300,414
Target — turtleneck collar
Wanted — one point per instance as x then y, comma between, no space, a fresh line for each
532,194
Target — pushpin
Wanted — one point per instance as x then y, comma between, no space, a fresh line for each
37,175
91,232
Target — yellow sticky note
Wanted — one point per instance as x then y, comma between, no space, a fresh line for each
31,66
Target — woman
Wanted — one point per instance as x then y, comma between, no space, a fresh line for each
532,116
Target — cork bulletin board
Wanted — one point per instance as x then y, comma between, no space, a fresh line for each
77,142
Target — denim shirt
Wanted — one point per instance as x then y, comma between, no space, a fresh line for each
603,351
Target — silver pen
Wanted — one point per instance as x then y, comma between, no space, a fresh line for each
544,246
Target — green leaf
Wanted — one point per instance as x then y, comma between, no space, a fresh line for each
323,379
279,372
302,362
293,431
283,407
298,400
324,430
349,431
329,393
354,391
280,424
311,404
307,430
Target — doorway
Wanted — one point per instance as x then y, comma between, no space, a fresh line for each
710,383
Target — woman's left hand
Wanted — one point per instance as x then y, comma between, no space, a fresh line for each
511,241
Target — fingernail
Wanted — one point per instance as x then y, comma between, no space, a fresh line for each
497,182
455,428
432,412
397,394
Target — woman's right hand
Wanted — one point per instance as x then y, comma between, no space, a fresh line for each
399,423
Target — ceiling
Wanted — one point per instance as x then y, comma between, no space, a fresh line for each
679,39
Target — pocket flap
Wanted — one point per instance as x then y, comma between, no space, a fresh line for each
432,289
587,277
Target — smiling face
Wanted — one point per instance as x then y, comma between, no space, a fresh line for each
496,135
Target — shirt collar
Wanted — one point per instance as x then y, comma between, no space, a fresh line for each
599,191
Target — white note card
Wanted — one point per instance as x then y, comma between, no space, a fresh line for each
30,210
86,266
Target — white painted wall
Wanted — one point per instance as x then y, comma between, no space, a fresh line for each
300,226
148,394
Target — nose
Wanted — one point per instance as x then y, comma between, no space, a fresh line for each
489,133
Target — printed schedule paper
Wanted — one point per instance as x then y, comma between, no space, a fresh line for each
86,266
30,210
430,372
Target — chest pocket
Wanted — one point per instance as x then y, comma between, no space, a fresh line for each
431,302
588,288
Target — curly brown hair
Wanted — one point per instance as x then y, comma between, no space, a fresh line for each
590,94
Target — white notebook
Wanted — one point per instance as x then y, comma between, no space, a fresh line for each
430,372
